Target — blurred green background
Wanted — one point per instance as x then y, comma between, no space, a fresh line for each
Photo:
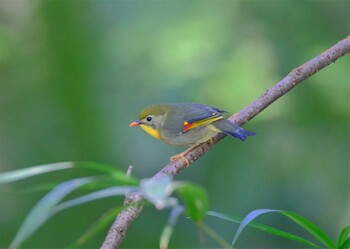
74,74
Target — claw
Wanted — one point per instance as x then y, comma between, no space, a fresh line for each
180,156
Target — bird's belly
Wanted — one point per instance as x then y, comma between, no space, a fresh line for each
191,137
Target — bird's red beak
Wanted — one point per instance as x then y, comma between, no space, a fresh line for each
135,123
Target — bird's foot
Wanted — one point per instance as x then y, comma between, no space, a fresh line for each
180,156
211,140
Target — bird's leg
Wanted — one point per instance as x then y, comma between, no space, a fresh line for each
182,156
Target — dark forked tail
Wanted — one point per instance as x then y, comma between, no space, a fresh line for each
232,129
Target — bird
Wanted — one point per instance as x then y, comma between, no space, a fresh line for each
187,124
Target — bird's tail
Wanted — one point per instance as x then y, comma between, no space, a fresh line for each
232,129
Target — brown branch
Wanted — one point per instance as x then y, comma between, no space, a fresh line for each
119,228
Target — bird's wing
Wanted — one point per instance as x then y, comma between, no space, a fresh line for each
201,115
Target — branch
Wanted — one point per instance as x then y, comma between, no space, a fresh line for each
119,228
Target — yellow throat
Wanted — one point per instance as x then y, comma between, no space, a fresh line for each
153,132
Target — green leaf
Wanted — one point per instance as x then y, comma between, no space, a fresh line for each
100,194
343,236
16,175
169,227
42,210
101,223
118,175
311,228
195,199
264,228
301,221
42,187
20,174
158,191
346,244
214,235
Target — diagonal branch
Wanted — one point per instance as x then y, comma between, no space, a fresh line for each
119,228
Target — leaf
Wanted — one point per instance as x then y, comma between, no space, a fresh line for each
346,244
264,228
343,236
169,227
118,175
41,212
108,192
101,223
214,235
20,174
301,221
158,191
310,227
195,199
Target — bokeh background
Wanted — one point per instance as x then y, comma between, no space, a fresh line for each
74,74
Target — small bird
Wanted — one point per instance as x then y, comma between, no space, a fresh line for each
187,124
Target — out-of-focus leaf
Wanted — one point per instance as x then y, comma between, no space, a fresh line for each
311,228
301,221
264,228
346,244
42,210
343,236
44,187
16,175
214,235
115,173
20,174
105,182
158,191
169,227
195,199
108,192
101,223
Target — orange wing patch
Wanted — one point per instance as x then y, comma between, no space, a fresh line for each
188,126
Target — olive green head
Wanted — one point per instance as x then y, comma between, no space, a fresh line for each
151,119
154,110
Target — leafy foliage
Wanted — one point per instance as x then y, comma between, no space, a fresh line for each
158,191
301,221
195,199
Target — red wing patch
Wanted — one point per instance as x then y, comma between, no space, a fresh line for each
200,122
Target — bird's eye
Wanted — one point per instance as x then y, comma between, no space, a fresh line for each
149,119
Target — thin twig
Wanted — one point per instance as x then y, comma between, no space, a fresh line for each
119,228
129,171
214,235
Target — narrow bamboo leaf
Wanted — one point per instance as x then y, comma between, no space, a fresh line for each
251,216
108,192
344,234
264,228
346,244
301,221
195,199
101,223
116,174
41,212
44,187
104,182
20,174
169,227
96,166
16,175
311,228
